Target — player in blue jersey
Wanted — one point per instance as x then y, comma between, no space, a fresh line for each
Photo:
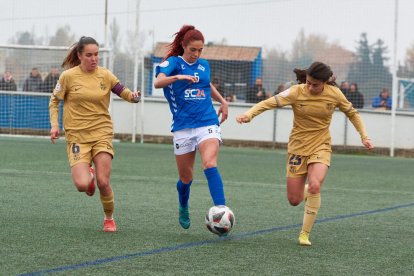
185,78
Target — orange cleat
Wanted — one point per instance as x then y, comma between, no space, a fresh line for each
109,225
91,189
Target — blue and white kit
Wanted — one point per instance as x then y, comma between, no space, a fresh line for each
190,103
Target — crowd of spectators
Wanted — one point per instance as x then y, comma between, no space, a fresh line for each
32,83
256,93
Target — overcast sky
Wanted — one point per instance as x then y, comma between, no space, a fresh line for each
270,24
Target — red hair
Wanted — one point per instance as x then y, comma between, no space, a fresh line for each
186,34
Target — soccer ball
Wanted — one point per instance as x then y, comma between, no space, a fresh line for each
220,220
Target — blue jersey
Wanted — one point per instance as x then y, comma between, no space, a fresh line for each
190,103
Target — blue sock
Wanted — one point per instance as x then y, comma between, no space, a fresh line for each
215,184
183,193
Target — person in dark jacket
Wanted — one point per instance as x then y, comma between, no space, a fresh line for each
51,80
7,83
34,82
354,96
256,93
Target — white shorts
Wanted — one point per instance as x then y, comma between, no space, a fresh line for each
187,140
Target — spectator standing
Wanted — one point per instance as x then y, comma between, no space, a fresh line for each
34,82
383,100
7,83
256,93
354,96
51,80
344,87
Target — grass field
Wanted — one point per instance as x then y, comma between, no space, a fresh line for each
365,225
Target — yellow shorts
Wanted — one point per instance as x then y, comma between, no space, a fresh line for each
85,152
297,165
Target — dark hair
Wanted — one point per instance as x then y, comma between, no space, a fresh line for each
355,85
186,34
321,71
300,75
72,59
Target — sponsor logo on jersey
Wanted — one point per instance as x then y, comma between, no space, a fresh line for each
285,93
182,67
58,87
103,87
201,67
194,94
164,64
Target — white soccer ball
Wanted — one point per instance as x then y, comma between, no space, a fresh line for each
220,220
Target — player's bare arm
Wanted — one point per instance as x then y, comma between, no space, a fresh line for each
223,111
162,80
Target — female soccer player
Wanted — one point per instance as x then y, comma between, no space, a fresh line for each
309,147
85,89
185,78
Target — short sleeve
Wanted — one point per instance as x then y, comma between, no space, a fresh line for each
166,67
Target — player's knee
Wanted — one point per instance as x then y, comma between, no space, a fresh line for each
186,179
314,188
294,200
81,184
80,188
102,182
209,164
186,175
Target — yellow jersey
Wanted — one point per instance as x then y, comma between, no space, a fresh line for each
86,99
312,116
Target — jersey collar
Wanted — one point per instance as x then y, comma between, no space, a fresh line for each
187,62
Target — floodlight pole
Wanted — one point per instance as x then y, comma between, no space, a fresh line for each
394,81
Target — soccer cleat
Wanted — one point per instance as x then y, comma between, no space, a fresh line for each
91,188
304,239
184,217
109,225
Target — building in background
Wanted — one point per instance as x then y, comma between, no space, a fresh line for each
234,68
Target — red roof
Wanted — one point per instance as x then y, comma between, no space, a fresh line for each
218,52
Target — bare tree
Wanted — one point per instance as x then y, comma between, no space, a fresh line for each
62,37
115,40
